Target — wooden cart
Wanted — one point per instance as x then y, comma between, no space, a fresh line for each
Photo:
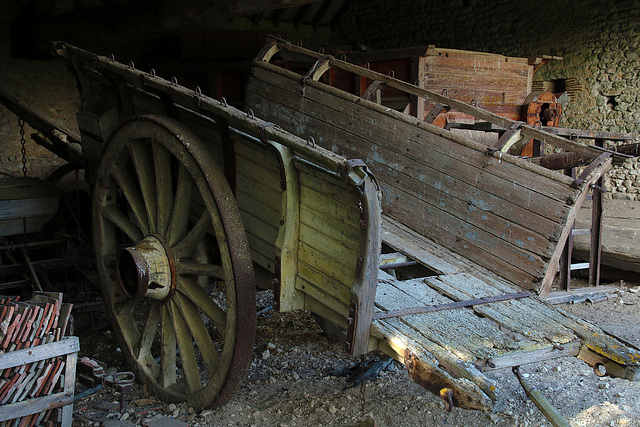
428,246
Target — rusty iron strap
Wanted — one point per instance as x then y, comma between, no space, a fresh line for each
450,305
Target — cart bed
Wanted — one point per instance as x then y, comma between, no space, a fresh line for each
477,221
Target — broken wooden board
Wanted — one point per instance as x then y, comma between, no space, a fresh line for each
466,342
620,234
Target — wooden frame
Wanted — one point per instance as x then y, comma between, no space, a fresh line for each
67,347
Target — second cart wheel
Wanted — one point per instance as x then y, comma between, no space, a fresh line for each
185,322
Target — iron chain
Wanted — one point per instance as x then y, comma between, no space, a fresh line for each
23,149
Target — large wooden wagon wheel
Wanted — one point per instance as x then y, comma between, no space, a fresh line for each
174,262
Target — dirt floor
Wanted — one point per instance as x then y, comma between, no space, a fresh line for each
292,382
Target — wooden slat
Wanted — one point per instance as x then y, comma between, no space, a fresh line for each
332,249
329,285
320,295
459,331
384,126
342,270
506,314
265,195
347,234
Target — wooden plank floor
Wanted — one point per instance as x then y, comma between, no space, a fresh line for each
469,341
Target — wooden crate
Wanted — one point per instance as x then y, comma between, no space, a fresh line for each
68,348
494,82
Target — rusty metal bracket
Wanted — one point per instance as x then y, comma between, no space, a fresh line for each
602,158
450,305
438,109
351,324
262,133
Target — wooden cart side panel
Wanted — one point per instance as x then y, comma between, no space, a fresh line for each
338,249
497,214
259,198
327,255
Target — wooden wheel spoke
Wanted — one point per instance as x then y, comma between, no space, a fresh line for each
203,301
142,163
186,349
167,375
143,346
200,333
181,207
132,194
117,218
188,266
125,306
164,185
187,246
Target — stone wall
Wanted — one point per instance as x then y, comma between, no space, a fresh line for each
598,40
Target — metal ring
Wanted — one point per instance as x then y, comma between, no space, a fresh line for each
367,65
573,136
174,81
391,74
112,58
223,101
321,51
473,103
539,123
417,83
132,65
599,369
198,91
343,58
445,92
250,114
299,43
153,72
311,141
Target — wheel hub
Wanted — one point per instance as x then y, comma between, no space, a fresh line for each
147,269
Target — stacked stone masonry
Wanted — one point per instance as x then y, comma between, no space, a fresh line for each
598,39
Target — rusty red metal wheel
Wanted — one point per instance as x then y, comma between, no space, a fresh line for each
174,262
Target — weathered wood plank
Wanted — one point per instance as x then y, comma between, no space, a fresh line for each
524,269
620,234
357,118
508,314
258,227
330,285
332,248
320,295
342,268
347,234
288,234
407,241
250,206
262,71
471,389
460,331
317,202
255,172
264,195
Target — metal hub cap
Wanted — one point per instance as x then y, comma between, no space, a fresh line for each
147,269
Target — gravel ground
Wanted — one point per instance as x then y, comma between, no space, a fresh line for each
292,382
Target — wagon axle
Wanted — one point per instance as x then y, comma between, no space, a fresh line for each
147,269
